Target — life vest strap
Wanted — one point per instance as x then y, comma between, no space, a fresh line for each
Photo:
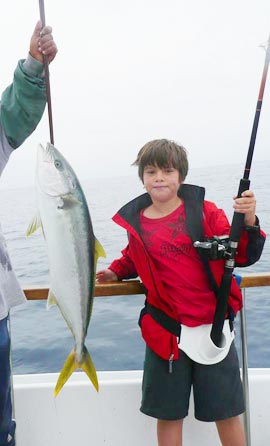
168,322
161,318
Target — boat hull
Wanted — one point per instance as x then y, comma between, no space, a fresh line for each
81,416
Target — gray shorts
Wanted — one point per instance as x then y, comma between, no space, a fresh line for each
217,388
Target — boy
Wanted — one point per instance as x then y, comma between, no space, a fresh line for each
21,108
179,292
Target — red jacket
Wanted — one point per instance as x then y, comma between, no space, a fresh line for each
135,261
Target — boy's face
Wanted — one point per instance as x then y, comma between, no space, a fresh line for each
162,184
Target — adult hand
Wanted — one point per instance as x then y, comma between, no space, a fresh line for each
42,43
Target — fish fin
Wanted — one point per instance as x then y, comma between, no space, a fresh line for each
89,368
51,299
99,251
34,225
71,199
68,201
69,367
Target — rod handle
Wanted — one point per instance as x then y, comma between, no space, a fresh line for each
238,219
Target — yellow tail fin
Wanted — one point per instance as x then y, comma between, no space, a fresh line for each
71,364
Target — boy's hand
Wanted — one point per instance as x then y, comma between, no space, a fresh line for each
106,275
246,204
42,43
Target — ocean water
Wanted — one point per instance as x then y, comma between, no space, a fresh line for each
40,338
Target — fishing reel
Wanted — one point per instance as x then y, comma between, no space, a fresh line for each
214,248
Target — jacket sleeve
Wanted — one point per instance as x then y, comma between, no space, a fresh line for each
124,267
250,245
23,102
251,242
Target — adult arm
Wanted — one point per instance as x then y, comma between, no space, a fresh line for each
23,102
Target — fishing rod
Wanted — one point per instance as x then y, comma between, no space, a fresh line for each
47,75
237,222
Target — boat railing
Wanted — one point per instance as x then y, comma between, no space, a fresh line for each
130,287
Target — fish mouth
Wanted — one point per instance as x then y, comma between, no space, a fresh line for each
53,174
46,153
49,154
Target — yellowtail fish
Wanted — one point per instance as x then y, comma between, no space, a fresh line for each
72,250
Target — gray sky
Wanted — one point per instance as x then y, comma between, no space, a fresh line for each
131,71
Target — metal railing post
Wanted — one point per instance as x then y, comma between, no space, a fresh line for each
245,371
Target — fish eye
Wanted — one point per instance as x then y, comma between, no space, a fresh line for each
58,164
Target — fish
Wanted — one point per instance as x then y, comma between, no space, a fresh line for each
73,251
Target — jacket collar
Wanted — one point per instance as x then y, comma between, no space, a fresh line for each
192,195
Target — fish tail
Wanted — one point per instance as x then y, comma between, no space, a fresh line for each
88,366
71,365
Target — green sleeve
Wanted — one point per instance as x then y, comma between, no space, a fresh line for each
22,106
